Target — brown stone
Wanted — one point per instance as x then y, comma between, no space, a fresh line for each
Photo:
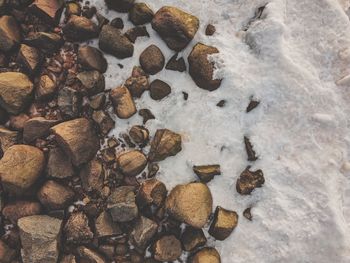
77,230
247,214
210,30
92,59
30,58
68,259
193,238
152,60
69,102
108,251
120,5
123,103
176,64
92,176
97,102
37,127
49,10
117,23
121,204
151,192
164,144
17,122
90,256
80,28
58,164
249,149
18,209
10,33
143,232
105,227
72,8
159,89
249,180
168,248
225,221
131,163
206,173
133,33
47,42
147,115
104,121
93,82
46,87
137,85
206,255
7,138
6,253
252,105
140,14
139,134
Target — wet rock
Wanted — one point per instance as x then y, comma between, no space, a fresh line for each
206,173
250,151
77,230
191,203
47,42
210,30
92,59
117,23
93,82
112,41
15,91
147,115
20,167
18,209
249,180
138,134
152,60
193,238
159,89
7,138
46,88
104,121
121,204
164,144
6,253
30,58
252,105
69,102
206,255
133,33
137,85
49,10
55,196
77,139
225,221
10,33
151,192
59,165
247,214
105,227
72,8
140,14
80,28
39,238
92,176
132,163
201,70
97,102
176,64
37,127
143,232
168,248
90,256
123,103
120,5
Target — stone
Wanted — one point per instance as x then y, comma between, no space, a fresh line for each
17,121
121,204
151,192
47,42
15,91
59,165
69,102
249,149
10,33
93,82
18,209
176,64
107,251
143,232
147,115
30,58
249,180
7,138
55,196
152,60
139,134
137,85
190,203
37,127
159,89
102,20
92,176
80,28
167,248
206,173
46,88
77,230
123,103
224,222
113,42
77,139
252,105
7,254
72,8
92,59
120,5
140,14
131,163
117,23
210,30
201,69
192,239
39,237
105,227
164,144
20,167
90,256
104,121
98,101
247,214
176,27
221,103
206,255
49,10
68,259
133,33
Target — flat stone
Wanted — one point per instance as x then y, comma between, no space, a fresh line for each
249,180
193,238
10,33
225,221
80,28
120,5
123,102
140,14
206,173
92,59
30,58
132,163
143,232
37,127
58,164
168,248
105,227
121,204
77,230
164,144
206,255
18,209
159,89
49,10
152,60
93,82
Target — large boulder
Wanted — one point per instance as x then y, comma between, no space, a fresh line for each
10,34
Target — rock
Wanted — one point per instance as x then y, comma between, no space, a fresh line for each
250,151
104,121
68,259
47,42
7,138
17,122
90,256
39,238
20,167
123,103
37,127
247,214
69,102
168,248
93,82
206,255
151,192
133,33
221,103
206,173
152,60
121,204
139,134
15,91
176,27
193,238
176,64
46,88
224,223
137,85
201,70
164,144
120,5
10,33
77,230
55,196
143,232
107,251
191,203
6,253
147,115
98,101
159,89
59,165
210,30
72,8
249,180
80,28
77,139
30,58
112,41
48,10
92,176
252,105
18,209
102,20
117,23
105,227
92,59
140,14
132,163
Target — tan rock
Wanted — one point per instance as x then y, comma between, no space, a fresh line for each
123,103
7,138
224,223
92,59
49,10
10,33
132,163
206,255
77,230
193,238
164,144
18,209
46,87
80,28
151,192
92,176
168,248
58,164
139,134
37,127
121,204
90,256
105,227
93,82
48,42
206,173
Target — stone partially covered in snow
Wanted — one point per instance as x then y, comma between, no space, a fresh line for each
152,60
176,27
206,255
164,144
123,102
120,5
80,28
249,180
10,33
121,204
131,163
225,221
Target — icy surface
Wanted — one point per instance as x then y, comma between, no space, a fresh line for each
291,61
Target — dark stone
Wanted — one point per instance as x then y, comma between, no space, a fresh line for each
249,180
147,115
135,32
117,23
152,60
58,164
141,14
30,58
159,89
48,42
37,127
250,151
176,64
10,33
92,59
69,102
93,82
193,238
120,5
225,221
167,248
247,214
49,10
252,105
221,103
210,30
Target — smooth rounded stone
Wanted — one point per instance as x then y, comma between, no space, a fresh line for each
72,8
133,33
55,196
39,237
190,203
37,127
113,42
164,144
92,176
206,173
143,232
30,58
151,192
123,102
18,209
80,28
49,10
15,91
121,204
7,254
201,69
77,139
206,255
131,163
20,167
249,180
47,42
140,14
77,230
92,59
193,238
159,89
117,23
167,248
7,138
58,164
69,102
152,60
138,134
120,5
176,64
93,82
104,121
10,33
210,30
225,221
176,27
105,227
46,88
89,255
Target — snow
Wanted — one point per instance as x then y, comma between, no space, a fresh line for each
291,60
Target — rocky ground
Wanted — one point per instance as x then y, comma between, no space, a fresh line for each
69,191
